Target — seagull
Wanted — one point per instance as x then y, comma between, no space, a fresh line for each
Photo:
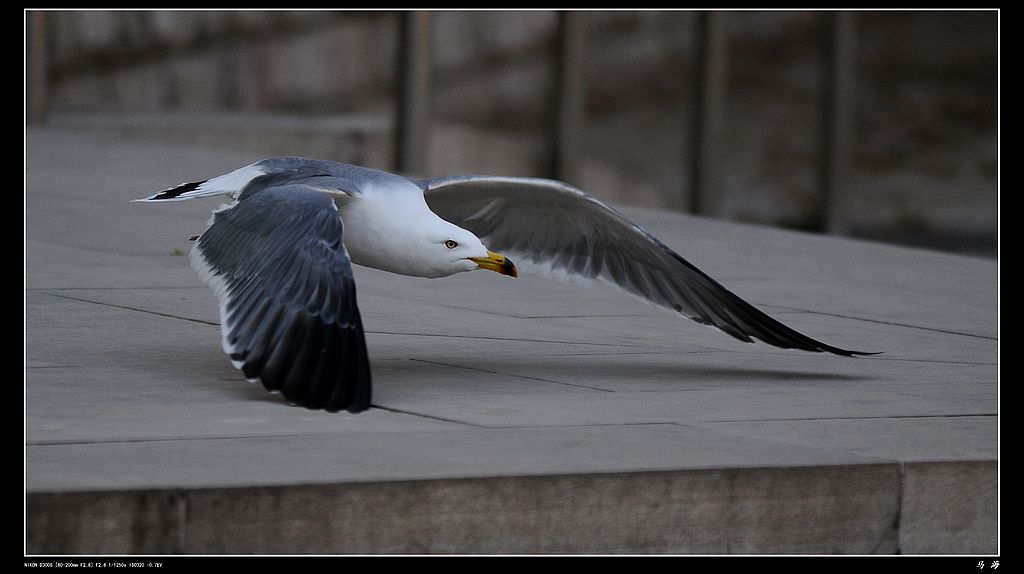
279,259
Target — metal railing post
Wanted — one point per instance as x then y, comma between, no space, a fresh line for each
570,96
708,114
837,103
412,126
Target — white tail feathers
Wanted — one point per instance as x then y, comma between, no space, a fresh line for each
228,184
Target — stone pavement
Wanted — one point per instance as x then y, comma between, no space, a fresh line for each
514,416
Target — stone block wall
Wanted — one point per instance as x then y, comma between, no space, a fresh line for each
925,120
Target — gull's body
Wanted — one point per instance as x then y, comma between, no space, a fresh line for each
279,259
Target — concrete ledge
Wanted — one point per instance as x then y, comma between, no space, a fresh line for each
125,522
921,508
841,509
950,508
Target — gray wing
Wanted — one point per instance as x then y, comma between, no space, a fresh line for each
288,309
340,180
550,222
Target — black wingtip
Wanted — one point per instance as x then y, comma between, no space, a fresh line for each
358,372
175,192
328,369
864,353
846,353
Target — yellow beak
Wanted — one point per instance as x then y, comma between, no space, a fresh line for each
496,262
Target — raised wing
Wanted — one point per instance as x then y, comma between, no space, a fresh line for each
550,222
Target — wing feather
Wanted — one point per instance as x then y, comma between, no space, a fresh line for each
289,317
551,223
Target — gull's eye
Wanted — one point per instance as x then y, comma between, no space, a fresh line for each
450,244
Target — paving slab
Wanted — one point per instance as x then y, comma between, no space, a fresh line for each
371,455
907,439
511,416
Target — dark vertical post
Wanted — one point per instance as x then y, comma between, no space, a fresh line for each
708,114
570,96
837,102
412,127
36,47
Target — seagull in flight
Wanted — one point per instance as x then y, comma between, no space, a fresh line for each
279,258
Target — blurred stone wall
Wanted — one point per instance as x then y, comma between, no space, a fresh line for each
925,122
